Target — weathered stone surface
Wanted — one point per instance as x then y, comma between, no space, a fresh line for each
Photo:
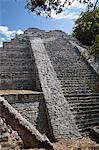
31,137
17,67
51,63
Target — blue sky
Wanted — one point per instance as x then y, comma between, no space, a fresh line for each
14,18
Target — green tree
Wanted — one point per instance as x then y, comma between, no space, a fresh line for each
94,49
86,29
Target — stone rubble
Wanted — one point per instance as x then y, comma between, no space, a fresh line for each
9,139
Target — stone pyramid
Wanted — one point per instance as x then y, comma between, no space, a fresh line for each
48,89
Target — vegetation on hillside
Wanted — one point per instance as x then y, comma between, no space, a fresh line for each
86,30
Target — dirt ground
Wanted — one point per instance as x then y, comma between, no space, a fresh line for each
79,144
76,144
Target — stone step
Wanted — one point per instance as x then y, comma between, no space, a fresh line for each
15,57
81,97
73,80
80,91
15,54
16,64
84,86
77,80
92,99
75,112
21,51
72,70
85,105
67,67
85,124
87,99
88,104
84,108
83,115
18,44
87,121
83,129
69,61
16,50
11,60
70,78
20,69
75,86
16,75
78,87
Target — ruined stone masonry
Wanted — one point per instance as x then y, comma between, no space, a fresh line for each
49,91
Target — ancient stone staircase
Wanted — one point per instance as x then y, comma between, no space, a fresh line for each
78,81
60,117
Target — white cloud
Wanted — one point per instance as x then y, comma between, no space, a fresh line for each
2,39
75,4
8,34
64,15
19,32
1,44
